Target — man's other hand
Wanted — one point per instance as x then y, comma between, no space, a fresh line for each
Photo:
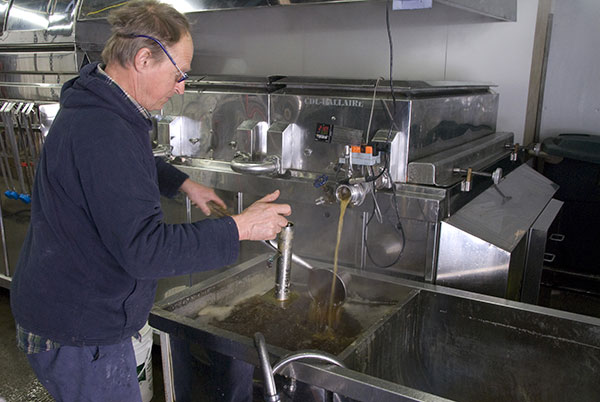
200,195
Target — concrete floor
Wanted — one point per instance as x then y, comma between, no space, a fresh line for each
18,382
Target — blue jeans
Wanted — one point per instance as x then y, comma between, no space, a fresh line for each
89,373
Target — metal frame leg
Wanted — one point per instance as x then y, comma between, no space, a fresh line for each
3,235
167,366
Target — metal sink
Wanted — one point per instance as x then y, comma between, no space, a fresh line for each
419,342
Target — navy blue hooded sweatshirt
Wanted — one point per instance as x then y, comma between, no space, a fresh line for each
97,243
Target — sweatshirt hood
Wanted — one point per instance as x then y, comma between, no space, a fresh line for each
93,89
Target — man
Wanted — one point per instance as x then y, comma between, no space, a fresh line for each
97,243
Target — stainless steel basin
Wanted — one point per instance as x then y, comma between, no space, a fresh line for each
419,342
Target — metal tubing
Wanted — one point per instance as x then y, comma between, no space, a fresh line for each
167,365
30,140
188,214
363,240
244,164
10,130
4,148
39,134
4,249
2,167
240,202
307,355
270,388
284,263
23,139
270,392
298,260
316,278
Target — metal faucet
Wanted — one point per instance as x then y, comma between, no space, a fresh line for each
270,390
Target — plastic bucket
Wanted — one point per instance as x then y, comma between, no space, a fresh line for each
143,361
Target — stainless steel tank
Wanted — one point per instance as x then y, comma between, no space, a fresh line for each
418,342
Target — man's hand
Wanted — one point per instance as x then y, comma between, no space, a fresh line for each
262,220
200,195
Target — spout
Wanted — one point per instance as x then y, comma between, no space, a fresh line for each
355,192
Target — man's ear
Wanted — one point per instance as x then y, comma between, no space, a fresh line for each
142,59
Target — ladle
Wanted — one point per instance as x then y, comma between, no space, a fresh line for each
319,279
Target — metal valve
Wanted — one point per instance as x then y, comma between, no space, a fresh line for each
467,183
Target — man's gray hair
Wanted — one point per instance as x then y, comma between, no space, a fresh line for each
149,17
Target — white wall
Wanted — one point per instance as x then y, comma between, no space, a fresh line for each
572,91
350,41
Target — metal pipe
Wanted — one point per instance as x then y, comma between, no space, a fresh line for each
242,163
318,278
10,131
269,372
2,168
240,202
39,134
363,240
496,175
30,140
167,366
298,260
188,214
10,191
284,263
305,355
270,388
23,138
4,249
